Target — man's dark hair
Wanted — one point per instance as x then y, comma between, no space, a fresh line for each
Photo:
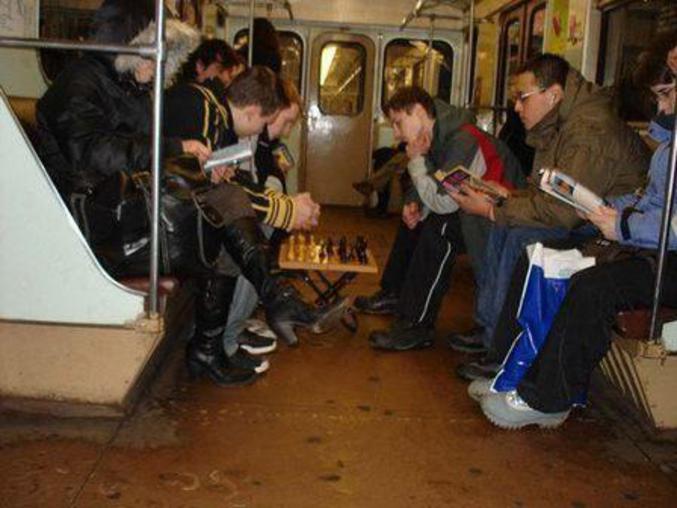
208,52
119,21
267,50
652,68
257,86
407,97
548,69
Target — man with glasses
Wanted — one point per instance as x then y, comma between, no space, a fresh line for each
572,126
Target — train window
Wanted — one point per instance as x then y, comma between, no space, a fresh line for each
536,31
342,76
512,36
623,39
291,47
58,22
405,65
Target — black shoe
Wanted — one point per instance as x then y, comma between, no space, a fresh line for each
381,302
483,369
205,357
284,307
288,311
469,342
244,360
402,336
364,188
255,344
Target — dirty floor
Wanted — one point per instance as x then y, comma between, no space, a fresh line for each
333,424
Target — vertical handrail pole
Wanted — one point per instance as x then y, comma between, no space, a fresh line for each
158,86
471,44
250,55
665,233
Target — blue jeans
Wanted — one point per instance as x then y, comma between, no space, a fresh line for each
504,247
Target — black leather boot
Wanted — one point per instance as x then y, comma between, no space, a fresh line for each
205,354
284,307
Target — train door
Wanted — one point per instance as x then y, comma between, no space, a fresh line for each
339,119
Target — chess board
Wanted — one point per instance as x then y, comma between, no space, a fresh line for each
306,258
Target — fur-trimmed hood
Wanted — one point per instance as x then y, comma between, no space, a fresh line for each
181,41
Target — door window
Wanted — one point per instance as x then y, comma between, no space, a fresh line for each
291,49
536,32
511,54
342,76
410,62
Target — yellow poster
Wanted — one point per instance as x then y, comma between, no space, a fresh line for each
558,27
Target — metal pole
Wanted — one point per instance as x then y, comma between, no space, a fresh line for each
252,8
471,44
665,232
158,87
15,42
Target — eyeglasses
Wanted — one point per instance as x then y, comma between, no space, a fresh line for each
662,92
523,96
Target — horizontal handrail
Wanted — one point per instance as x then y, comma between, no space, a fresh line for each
16,42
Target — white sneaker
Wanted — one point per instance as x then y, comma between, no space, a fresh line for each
508,411
479,389
260,328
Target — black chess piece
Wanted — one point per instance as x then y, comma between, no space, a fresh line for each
343,249
361,250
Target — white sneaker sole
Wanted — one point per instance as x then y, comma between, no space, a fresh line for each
259,350
263,367
544,422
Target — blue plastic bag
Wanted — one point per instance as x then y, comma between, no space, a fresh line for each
545,287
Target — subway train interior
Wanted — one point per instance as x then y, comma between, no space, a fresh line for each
101,398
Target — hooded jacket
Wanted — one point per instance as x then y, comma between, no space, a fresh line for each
453,144
95,121
640,214
585,139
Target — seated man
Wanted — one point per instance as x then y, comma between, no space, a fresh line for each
580,335
417,274
95,131
572,126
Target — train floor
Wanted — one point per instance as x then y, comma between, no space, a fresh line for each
335,424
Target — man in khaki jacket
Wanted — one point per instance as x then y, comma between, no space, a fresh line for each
572,126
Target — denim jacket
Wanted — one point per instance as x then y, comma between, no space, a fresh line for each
639,215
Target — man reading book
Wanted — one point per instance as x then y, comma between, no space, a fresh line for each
572,126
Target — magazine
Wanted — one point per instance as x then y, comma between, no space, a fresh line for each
568,190
458,175
229,156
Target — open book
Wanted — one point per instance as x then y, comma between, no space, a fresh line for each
229,156
568,190
453,178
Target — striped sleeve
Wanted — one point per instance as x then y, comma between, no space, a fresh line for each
272,207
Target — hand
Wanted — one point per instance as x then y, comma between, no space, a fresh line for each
502,191
420,145
411,214
221,173
472,202
605,219
197,149
307,211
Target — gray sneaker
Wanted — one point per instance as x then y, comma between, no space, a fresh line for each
508,411
480,388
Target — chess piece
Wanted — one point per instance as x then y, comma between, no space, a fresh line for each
291,247
343,250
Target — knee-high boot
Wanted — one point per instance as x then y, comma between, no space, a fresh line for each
284,307
205,354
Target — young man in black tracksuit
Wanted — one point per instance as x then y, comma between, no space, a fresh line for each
417,274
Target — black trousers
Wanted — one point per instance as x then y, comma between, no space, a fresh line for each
581,332
419,267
